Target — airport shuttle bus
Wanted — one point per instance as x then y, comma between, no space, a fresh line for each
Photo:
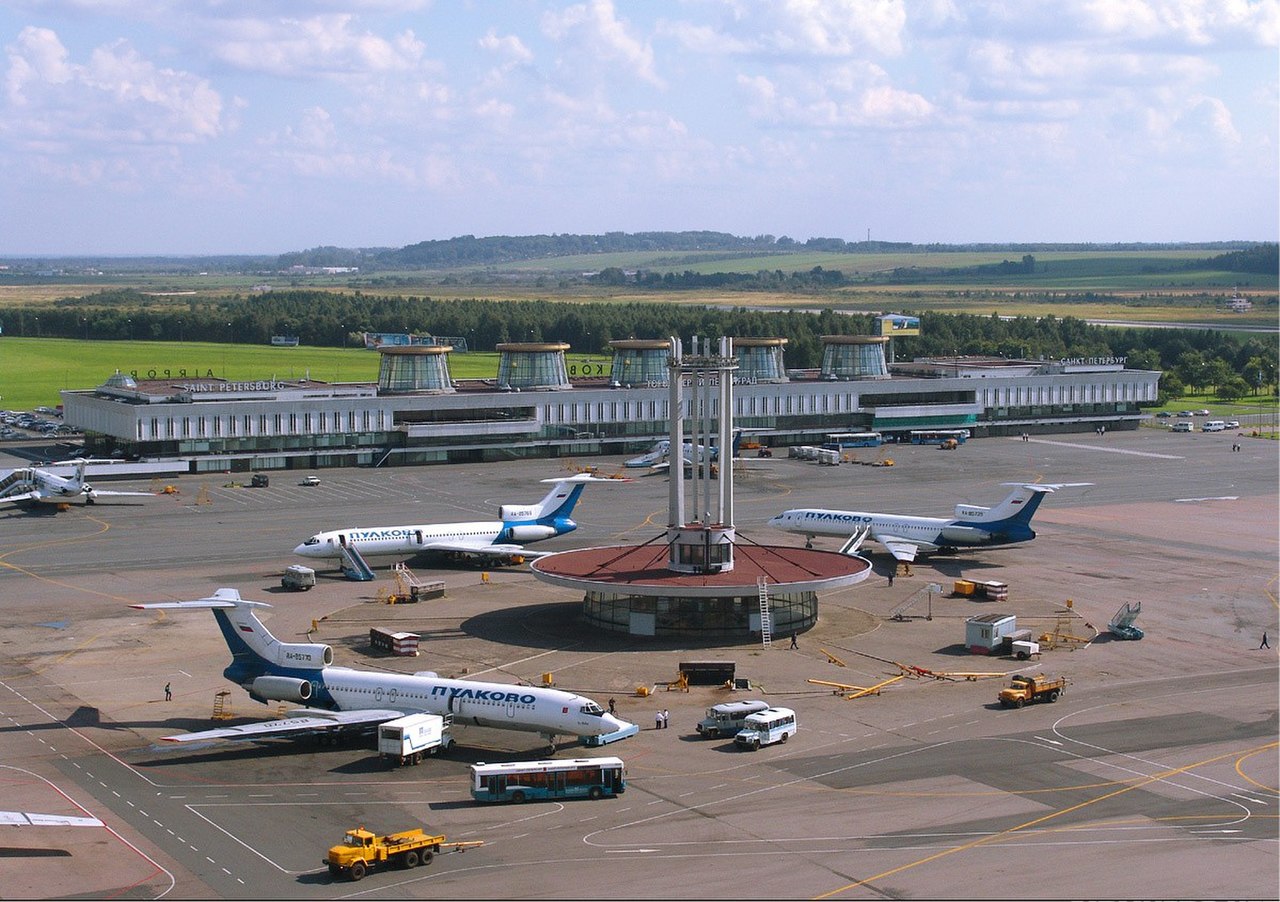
838,441
938,436
522,781
766,727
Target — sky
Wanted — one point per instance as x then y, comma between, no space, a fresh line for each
138,127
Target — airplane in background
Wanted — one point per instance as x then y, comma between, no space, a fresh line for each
339,698
1008,523
33,484
501,538
656,457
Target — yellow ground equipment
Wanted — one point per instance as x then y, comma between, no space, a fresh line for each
1023,690
851,692
361,850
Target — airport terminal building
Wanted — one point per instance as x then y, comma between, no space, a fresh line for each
416,414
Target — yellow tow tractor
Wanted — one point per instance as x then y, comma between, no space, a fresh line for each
362,850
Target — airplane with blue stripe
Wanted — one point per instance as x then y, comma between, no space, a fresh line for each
340,700
904,536
500,539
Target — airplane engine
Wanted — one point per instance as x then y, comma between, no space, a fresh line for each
302,655
531,533
284,689
964,535
517,512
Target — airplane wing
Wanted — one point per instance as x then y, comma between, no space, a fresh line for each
96,492
25,496
903,549
299,721
481,549
30,819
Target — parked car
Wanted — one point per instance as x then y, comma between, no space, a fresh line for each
1164,414
310,480
1185,413
1233,424
1204,413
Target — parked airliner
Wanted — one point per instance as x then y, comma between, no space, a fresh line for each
658,454
1008,523
520,524
36,485
339,698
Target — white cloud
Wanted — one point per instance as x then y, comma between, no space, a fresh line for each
117,96
850,95
798,28
323,45
593,31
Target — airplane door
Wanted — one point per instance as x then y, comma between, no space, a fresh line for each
511,710
417,535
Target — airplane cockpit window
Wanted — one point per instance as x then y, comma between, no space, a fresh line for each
314,540
592,709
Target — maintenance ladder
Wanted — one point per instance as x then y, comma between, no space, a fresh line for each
766,620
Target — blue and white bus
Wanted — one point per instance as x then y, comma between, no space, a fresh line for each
522,781
838,441
938,436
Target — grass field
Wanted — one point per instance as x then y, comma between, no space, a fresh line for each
34,370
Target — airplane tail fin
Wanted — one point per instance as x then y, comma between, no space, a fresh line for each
249,641
1018,506
254,651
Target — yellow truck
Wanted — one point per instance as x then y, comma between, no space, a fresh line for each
1025,689
361,851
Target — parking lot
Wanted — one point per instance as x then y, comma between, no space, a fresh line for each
1153,776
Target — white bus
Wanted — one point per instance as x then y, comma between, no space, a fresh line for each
572,778
766,727
726,719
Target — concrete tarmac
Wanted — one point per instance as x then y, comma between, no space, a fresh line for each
1154,776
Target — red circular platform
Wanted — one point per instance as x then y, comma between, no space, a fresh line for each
642,570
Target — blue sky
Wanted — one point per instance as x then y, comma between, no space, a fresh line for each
264,126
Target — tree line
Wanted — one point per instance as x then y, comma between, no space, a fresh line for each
1191,358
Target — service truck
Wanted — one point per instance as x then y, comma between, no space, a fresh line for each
361,850
409,739
1037,688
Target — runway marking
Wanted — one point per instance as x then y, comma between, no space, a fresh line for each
1219,498
1043,441
1035,822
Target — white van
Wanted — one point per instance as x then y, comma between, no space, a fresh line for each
766,727
726,719
1181,427
1214,426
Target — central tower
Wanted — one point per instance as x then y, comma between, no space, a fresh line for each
700,531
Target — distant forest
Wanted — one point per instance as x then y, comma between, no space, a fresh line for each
467,250
1194,358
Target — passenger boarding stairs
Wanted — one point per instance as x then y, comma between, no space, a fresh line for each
16,483
1121,624
354,566
900,612
855,541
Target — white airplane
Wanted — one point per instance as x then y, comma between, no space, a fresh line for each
339,698
1008,523
36,485
656,456
486,538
